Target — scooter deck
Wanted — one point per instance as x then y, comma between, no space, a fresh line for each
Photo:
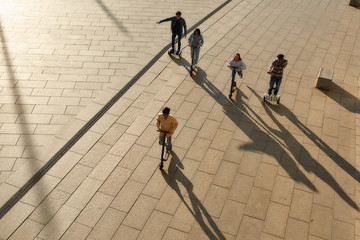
174,54
271,98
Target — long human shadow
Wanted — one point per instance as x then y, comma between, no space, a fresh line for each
24,129
176,176
343,98
305,159
331,153
113,17
266,135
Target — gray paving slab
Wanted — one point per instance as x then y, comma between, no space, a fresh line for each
261,171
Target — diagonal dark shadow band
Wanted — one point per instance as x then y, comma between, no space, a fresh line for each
52,161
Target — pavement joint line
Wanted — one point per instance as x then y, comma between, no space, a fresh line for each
53,160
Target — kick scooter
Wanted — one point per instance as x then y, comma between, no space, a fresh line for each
162,159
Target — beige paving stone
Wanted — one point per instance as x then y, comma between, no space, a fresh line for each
127,196
211,161
173,234
133,156
128,117
24,173
258,203
225,174
185,138
156,226
250,163
115,181
283,190
28,230
205,228
216,113
315,118
104,123
76,231
12,128
125,232
341,230
296,229
265,176
215,200
155,186
233,153
325,194
346,137
40,190
105,167
14,218
140,212
197,119
276,219
345,181
48,208
113,134
121,147
59,223
250,228
143,100
301,205
94,209
330,127
11,151
343,211
107,225
145,169
86,142
231,217
209,129
148,136
95,154
74,178
221,140
241,188
195,95
64,165
6,191
120,106
206,104
201,182
9,139
80,198
321,223
198,149
185,214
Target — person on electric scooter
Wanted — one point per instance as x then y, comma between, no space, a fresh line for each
236,65
168,123
276,70
177,25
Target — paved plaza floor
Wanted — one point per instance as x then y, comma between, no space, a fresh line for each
81,84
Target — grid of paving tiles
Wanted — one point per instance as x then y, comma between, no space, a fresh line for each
241,169
56,57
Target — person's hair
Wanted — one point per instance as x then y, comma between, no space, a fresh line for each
166,110
280,56
198,31
178,13
237,54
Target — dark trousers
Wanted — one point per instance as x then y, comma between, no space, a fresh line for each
274,80
173,41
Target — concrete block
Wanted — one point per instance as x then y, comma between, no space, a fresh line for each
324,79
354,3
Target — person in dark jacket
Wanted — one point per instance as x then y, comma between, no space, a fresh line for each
177,26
